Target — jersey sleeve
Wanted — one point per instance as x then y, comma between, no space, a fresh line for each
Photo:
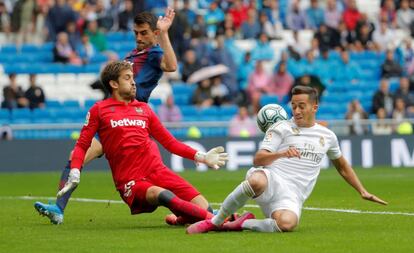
273,138
154,57
334,151
167,140
87,133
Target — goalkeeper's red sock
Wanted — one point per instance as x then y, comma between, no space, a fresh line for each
179,207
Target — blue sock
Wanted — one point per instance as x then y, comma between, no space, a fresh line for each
63,201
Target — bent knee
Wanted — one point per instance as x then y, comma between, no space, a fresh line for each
258,182
286,226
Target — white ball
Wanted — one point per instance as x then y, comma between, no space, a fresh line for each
270,114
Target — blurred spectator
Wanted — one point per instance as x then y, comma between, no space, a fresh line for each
363,39
390,67
63,52
273,14
405,16
4,21
169,111
250,28
238,11
263,50
190,64
296,18
364,21
189,13
388,13
213,17
242,124
6,133
356,113
85,49
96,37
107,16
246,67
399,114
35,94
227,24
259,84
202,94
324,37
351,15
315,15
332,14
221,55
219,91
296,48
74,36
126,17
179,31
380,127
23,16
407,52
13,95
272,31
383,36
282,81
383,98
408,96
342,38
198,29
59,15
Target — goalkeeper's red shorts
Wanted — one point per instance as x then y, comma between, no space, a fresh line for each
134,191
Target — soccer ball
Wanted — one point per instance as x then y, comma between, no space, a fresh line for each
270,114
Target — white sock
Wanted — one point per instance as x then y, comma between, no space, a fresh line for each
266,225
233,202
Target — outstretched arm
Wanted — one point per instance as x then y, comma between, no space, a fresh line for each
346,171
169,60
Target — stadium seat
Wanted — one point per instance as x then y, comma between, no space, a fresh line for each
71,104
4,116
268,99
89,103
21,116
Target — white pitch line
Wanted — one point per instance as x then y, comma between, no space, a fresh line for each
338,210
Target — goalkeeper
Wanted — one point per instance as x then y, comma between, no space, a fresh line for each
126,127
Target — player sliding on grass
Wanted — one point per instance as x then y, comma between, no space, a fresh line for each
291,155
125,127
150,60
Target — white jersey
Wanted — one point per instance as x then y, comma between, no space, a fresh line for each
312,143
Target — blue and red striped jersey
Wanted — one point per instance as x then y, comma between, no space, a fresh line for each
147,70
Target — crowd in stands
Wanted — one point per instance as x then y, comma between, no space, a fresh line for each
349,49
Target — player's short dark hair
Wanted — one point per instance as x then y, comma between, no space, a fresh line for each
146,18
112,71
310,91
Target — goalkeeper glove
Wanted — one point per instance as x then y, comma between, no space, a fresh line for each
73,181
214,158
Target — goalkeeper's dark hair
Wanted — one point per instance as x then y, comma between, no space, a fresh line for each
311,92
146,18
112,71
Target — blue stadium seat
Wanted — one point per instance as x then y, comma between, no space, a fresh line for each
4,116
268,99
53,103
71,104
115,37
29,48
89,103
21,116
155,101
209,114
8,48
182,99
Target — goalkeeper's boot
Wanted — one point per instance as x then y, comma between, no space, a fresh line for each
203,226
236,225
52,211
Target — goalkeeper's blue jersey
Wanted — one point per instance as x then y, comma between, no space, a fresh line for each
147,70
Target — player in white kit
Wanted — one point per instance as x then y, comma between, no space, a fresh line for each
286,169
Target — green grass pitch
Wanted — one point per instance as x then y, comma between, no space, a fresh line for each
108,227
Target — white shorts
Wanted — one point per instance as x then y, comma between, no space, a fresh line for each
278,194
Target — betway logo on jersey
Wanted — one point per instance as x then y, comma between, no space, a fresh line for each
128,122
